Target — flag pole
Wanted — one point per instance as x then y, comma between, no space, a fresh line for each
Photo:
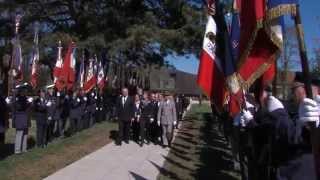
303,53
307,82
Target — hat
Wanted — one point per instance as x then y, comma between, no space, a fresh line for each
22,86
166,93
315,81
297,84
50,86
268,88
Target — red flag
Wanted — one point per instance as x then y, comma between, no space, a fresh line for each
101,79
66,76
91,79
210,75
258,48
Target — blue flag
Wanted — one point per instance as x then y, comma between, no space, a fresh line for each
235,33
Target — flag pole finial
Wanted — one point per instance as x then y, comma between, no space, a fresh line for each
17,22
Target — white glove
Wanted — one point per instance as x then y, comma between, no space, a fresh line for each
78,99
85,98
30,99
96,97
58,94
158,123
49,118
317,99
97,108
92,94
274,104
308,111
8,100
151,119
49,103
174,123
246,117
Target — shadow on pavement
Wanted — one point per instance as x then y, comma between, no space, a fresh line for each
136,176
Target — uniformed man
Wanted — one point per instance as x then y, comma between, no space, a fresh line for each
75,112
92,97
100,113
4,123
52,114
283,146
61,114
83,107
167,118
20,105
40,114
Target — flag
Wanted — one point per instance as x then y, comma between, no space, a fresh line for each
211,78
235,31
236,96
57,69
261,39
277,8
81,75
17,60
101,77
35,60
67,73
91,79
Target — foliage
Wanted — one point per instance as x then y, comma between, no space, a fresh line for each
128,30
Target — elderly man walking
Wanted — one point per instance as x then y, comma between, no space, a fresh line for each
167,117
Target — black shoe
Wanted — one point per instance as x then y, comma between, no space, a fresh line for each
141,144
126,141
118,143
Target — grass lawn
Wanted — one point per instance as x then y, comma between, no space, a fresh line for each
39,163
199,151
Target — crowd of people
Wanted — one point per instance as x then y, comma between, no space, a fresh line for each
149,117
271,139
142,116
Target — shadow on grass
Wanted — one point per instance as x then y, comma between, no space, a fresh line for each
7,150
199,151
215,160
114,135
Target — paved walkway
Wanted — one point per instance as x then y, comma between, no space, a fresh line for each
126,162
112,162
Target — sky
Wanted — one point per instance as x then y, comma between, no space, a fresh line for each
310,12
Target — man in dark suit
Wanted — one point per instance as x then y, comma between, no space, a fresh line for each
125,114
179,109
